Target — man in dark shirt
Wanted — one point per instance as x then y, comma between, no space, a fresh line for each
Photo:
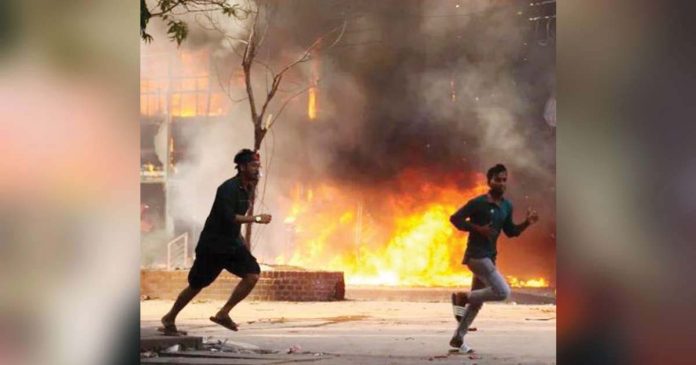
221,245
484,217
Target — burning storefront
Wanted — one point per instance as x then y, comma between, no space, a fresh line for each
177,101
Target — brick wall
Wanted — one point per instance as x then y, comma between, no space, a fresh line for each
296,286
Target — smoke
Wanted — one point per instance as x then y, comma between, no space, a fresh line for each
209,150
426,85
423,85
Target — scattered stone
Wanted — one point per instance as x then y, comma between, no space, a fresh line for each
294,349
174,348
148,354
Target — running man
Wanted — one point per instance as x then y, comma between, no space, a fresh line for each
484,217
221,245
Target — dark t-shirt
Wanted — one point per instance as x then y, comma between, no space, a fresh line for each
482,211
221,234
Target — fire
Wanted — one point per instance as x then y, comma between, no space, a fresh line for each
178,83
401,238
312,103
312,92
531,283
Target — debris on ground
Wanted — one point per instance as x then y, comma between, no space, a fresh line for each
148,354
174,348
294,349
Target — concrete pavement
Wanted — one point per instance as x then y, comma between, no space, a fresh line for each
372,332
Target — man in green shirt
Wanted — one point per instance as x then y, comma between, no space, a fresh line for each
484,217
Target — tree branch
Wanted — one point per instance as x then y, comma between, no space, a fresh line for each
306,55
285,103
247,60
304,58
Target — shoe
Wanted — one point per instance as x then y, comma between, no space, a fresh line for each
464,349
458,305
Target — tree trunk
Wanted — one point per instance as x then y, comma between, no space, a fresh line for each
259,133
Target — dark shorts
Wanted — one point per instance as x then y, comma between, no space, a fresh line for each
207,266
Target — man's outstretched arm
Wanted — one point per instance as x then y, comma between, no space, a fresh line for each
513,230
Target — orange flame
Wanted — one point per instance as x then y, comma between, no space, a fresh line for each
312,103
312,93
531,283
180,85
403,238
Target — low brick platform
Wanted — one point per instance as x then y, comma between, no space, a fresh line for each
294,286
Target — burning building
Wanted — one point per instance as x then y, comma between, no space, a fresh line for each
178,99
396,126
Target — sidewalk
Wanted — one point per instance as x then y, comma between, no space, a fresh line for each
365,332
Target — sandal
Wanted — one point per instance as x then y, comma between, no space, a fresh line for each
225,322
171,330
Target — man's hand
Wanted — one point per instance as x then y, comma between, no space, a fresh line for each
263,218
487,231
532,216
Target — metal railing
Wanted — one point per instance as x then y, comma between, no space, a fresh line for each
170,249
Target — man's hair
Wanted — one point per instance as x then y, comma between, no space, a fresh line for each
244,156
495,170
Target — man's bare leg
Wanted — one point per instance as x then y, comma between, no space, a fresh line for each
238,294
182,300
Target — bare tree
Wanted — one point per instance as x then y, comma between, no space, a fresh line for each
252,44
257,17
257,33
